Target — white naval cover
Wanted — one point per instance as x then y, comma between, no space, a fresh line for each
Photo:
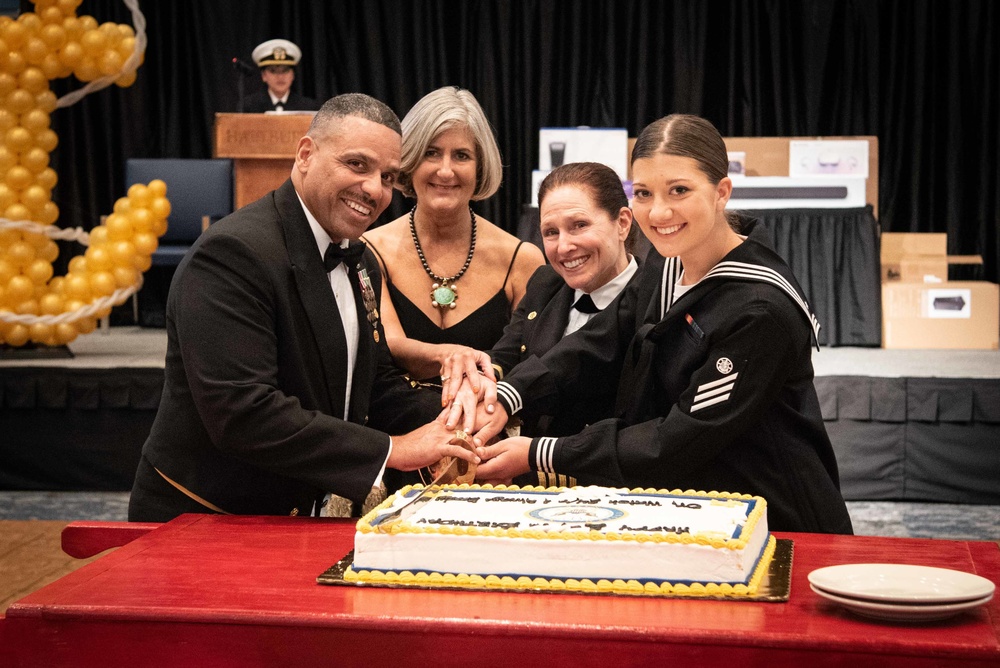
585,532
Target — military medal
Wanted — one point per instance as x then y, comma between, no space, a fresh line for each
444,291
368,297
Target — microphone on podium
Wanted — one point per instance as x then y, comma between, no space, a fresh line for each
244,68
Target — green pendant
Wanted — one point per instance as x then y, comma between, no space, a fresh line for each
444,296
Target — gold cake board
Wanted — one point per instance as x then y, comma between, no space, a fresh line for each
775,586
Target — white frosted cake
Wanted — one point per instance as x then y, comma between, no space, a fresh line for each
578,539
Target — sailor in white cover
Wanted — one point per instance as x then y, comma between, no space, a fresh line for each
713,346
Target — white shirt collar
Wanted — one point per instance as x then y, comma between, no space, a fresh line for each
322,238
277,100
606,294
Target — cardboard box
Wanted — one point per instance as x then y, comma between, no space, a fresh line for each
900,244
952,315
915,269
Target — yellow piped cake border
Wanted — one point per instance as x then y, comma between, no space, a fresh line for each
364,524
573,585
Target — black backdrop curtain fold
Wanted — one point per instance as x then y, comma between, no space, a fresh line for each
922,75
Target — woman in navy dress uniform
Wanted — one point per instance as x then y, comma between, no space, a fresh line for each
586,225
713,345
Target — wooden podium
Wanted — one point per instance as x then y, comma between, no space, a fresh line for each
262,147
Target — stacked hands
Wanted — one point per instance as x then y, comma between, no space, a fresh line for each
468,428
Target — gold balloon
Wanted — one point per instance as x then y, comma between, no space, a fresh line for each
145,243
93,42
71,54
19,177
39,332
19,288
7,271
102,283
160,207
119,228
39,271
78,265
64,332
51,304
17,335
27,307
98,258
21,253
54,35
19,139
122,253
14,34
50,43
157,188
139,195
49,252
99,235
125,275
19,101
76,286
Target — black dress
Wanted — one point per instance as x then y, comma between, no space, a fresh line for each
480,330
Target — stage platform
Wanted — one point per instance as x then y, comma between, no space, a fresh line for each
918,425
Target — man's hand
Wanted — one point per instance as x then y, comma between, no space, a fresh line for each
426,446
504,460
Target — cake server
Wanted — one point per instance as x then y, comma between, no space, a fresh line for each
457,467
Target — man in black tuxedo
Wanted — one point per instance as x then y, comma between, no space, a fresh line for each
279,386
277,59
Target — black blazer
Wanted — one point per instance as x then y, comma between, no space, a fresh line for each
255,372
536,326
259,102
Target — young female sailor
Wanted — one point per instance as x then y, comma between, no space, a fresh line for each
713,344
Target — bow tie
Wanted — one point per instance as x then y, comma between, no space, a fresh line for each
335,255
586,305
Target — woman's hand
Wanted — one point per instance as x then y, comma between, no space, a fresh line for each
504,460
461,363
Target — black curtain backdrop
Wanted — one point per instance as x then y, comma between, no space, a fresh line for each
921,75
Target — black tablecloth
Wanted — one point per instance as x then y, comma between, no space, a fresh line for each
74,429
834,253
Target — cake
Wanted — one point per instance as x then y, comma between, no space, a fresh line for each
587,539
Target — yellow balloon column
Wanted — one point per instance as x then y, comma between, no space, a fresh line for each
52,43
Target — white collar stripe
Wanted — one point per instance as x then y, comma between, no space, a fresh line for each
671,272
714,383
766,275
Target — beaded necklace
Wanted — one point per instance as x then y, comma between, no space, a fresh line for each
444,291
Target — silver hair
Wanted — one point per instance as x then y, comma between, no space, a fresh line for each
441,110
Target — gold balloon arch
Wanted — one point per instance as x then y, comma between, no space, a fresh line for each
53,43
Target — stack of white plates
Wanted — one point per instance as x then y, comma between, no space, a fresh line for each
901,593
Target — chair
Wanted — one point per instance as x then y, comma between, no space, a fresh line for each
199,191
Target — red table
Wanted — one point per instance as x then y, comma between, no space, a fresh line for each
217,591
